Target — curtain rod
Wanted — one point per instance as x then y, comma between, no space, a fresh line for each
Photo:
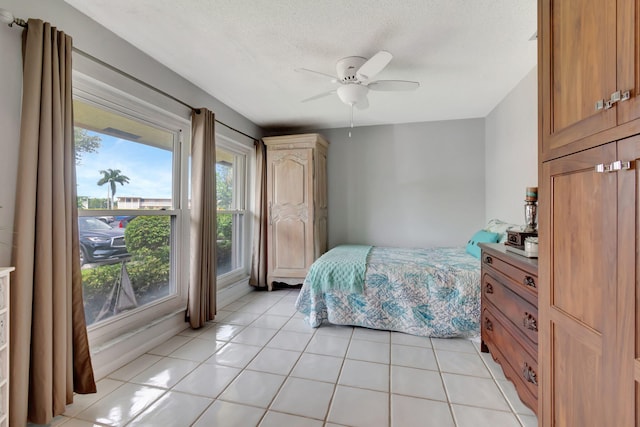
155,89
8,18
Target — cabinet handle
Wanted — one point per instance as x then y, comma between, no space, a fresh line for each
529,281
270,214
529,374
488,325
530,322
489,288
488,260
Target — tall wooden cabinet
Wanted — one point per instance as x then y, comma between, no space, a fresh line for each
589,212
297,205
589,73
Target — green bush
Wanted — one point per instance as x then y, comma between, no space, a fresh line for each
147,239
223,226
147,232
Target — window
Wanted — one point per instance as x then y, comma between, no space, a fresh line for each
129,163
231,195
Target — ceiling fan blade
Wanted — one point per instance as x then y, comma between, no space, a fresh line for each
374,65
321,95
393,85
362,104
334,79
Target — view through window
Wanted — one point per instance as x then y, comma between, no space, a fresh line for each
230,191
126,174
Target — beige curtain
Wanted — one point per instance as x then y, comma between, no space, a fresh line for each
49,349
202,286
258,276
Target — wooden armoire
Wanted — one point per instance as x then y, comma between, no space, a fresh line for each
589,222
297,205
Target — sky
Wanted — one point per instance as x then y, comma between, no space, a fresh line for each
148,168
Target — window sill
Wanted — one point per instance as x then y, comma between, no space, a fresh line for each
117,352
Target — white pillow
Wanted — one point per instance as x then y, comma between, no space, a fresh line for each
501,227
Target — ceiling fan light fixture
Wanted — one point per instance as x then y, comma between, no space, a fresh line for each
352,93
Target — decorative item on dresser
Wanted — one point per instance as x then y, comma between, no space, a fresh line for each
297,204
4,345
509,317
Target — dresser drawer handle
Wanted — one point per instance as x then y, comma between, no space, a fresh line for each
529,281
529,374
530,322
488,260
488,325
489,288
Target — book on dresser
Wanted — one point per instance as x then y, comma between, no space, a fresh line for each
509,317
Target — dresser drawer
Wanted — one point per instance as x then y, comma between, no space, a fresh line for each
520,312
521,278
523,366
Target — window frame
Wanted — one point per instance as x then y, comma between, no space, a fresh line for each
241,205
104,96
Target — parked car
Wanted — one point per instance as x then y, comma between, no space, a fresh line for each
99,242
106,219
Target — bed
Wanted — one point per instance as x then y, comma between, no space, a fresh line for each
433,292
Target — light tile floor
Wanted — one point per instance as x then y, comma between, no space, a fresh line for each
259,364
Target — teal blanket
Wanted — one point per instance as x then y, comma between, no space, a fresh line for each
342,268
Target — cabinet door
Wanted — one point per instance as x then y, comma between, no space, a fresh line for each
577,291
321,202
629,58
628,347
290,195
578,68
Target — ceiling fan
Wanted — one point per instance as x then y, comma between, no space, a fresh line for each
355,75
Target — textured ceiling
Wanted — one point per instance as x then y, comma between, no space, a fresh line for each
466,54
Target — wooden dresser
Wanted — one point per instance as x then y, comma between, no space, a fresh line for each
509,319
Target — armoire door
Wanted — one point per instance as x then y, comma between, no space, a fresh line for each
577,68
578,290
290,196
628,346
628,78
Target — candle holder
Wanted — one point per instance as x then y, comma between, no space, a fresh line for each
531,209
530,216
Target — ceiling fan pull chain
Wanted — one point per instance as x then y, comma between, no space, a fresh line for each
351,120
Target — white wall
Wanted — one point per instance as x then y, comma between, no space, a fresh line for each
415,185
100,43
10,96
512,151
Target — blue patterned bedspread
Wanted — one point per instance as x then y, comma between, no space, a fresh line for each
431,292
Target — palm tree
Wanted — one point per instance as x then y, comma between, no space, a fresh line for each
112,176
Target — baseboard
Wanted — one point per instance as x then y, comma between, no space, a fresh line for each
231,293
118,352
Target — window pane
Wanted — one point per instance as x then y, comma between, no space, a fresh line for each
229,241
125,264
224,248
123,165
224,179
